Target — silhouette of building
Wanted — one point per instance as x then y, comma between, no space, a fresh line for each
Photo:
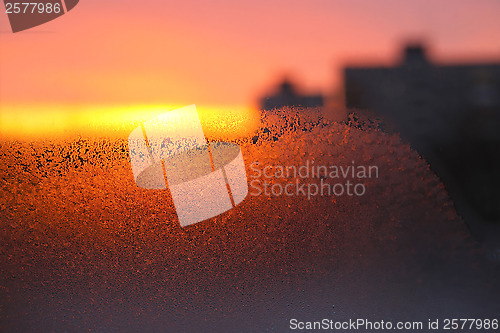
449,113
429,104
288,96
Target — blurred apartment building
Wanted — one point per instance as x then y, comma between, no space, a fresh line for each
430,105
287,95
449,113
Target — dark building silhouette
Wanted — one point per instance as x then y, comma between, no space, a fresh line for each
430,105
288,96
449,113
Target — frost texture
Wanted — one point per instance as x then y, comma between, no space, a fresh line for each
75,226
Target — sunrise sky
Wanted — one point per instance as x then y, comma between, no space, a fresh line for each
226,52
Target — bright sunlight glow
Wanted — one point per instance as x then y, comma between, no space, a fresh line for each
51,121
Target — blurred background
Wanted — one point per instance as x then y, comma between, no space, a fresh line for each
225,52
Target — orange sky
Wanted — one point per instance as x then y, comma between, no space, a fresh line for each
225,51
